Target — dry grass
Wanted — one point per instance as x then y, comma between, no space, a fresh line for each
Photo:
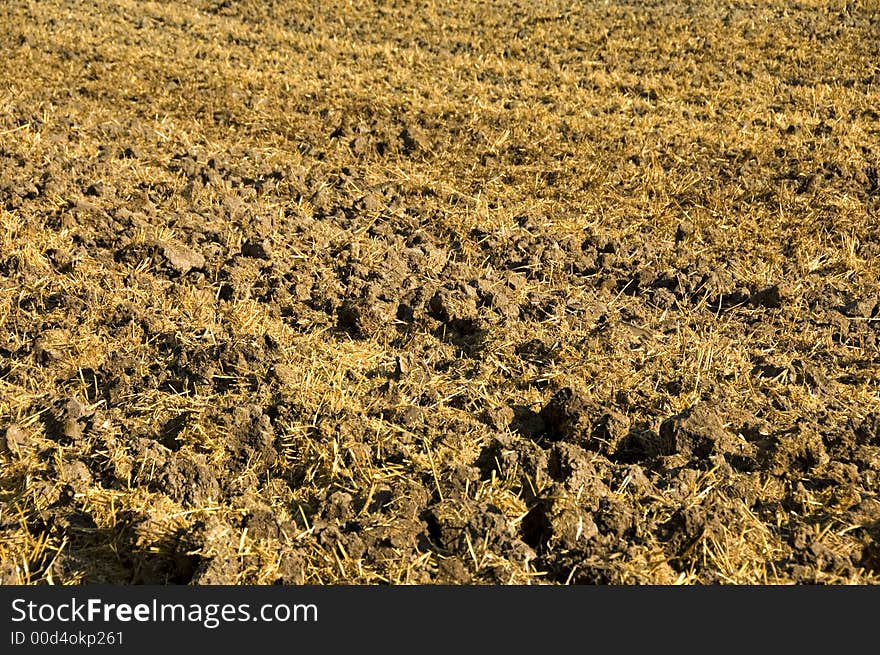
232,425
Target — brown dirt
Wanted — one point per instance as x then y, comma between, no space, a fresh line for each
450,293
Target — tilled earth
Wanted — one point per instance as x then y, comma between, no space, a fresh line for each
450,292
